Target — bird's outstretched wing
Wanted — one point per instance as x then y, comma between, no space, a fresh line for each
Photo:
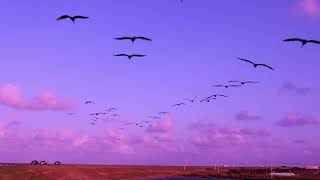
80,17
218,85
265,66
63,17
294,39
121,55
123,38
246,60
234,81
245,82
137,55
144,38
314,41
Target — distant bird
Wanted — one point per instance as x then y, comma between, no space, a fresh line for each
130,55
216,95
256,65
243,82
133,38
89,102
191,100
111,109
163,113
207,99
226,86
303,41
72,18
70,114
96,114
178,104
154,117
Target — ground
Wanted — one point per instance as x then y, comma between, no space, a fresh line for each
100,172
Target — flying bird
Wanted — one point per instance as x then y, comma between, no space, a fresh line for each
111,109
96,114
208,99
178,104
163,113
72,18
256,65
191,100
303,41
130,55
226,86
89,102
243,82
154,117
133,38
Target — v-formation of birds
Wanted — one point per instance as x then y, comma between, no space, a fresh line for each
133,39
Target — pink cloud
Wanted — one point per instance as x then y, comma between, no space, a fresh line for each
290,87
245,116
160,126
10,95
310,7
294,120
229,136
202,126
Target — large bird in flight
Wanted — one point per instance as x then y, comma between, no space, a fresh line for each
133,38
178,104
72,18
163,113
89,102
303,41
130,55
243,82
191,100
226,86
254,64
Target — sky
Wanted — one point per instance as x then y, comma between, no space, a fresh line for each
50,68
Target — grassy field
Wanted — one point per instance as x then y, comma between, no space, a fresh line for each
99,172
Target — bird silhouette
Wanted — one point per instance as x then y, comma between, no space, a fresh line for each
191,100
208,99
111,109
303,41
89,102
133,38
178,104
130,55
243,82
72,18
256,65
163,113
226,86
154,117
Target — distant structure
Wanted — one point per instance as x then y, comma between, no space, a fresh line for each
57,163
282,174
34,162
43,163
313,167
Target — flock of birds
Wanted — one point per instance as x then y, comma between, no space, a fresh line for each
111,112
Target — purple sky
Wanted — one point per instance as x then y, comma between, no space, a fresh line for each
50,68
